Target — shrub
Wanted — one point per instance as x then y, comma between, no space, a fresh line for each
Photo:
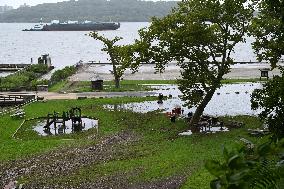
63,74
24,78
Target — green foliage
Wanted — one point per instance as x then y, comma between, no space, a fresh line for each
268,29
26,78
62,74
126,85
120,55
200,36
96,10
38,68
85,86
258,168
270,99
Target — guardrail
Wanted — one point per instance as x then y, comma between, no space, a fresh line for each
11,100
13,67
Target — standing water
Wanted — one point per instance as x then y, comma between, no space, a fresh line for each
229,100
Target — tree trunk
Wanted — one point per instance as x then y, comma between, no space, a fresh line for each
117,82
115,74
200,109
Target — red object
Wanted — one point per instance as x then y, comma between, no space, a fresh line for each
176,111
168,114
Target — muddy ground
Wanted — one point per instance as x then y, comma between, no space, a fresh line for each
42,171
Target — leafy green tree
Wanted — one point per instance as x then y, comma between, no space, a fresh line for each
121,56
270,99
268,30
261,166
200,36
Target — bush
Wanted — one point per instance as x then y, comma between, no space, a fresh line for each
63,74
38,68
24,78
260,168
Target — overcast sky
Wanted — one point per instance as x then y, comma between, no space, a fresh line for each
17,3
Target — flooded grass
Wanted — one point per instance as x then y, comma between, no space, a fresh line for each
66,128
131,150
210,130
229,100
127,85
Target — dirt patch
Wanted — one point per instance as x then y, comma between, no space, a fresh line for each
168,183
43,171
64,162
121,181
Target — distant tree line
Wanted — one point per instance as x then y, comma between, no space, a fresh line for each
98,10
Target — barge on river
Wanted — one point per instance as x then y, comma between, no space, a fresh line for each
75,26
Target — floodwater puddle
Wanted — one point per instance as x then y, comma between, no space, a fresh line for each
229,100
68,128
211,130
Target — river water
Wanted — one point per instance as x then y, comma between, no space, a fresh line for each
68,48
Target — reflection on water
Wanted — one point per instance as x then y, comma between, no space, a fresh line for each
229,100
205,131
67,129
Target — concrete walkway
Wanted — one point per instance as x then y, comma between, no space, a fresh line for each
172,72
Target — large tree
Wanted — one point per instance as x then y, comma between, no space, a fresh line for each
200,36
261,166
270,99
268,30
120,55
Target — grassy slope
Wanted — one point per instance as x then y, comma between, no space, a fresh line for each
13,149
159,153
126,85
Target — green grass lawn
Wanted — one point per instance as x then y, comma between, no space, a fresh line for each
126,85
157,154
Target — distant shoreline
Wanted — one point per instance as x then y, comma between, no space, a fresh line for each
122,11
93,20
